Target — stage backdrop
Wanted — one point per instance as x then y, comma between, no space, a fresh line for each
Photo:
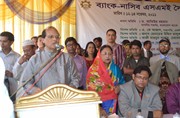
131,19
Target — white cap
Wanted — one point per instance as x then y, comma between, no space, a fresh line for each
27,42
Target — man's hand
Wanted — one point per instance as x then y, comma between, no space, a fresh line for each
117,89
37,90
23,59
103,113
8,73
157,114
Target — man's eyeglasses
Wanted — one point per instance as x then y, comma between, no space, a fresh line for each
164,45
140,77
51,37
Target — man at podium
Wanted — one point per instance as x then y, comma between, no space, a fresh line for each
60,69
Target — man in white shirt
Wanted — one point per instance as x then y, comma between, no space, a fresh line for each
9,57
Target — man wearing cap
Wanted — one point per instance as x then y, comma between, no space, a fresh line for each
9,58
164,47
29,50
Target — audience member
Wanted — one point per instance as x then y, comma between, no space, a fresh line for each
40,43
176,52
71,45
29,50
98,42
146,50
35,40
164,47
61,69
126,45
173,97
164,74
124,42
79,50
140,95
90,53
134,61
104,77
9,57
6,105
119,54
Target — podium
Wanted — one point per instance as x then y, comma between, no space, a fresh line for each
59,101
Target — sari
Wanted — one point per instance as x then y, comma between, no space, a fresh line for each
103,80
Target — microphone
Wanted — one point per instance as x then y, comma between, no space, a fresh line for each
59,47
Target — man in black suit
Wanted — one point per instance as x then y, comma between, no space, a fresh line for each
146,52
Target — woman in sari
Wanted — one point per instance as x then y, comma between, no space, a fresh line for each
104,77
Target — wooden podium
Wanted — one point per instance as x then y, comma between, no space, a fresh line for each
59,101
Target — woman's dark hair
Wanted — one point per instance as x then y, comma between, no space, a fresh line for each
95,50
139,69
106,46
79,45
81,50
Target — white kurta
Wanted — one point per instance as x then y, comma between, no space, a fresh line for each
62,71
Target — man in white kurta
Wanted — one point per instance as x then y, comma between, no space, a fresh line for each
29,50
63,70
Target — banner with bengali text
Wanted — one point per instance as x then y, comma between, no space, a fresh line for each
131,19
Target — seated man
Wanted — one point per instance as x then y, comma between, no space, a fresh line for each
173,98
134,61
164,74
140,95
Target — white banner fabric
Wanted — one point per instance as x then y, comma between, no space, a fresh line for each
131,19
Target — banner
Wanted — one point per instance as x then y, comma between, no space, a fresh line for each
139,20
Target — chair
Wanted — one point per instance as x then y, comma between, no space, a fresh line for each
60,101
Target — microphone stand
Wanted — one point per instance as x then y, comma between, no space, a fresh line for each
58,50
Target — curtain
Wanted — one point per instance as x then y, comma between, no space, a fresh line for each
28,18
